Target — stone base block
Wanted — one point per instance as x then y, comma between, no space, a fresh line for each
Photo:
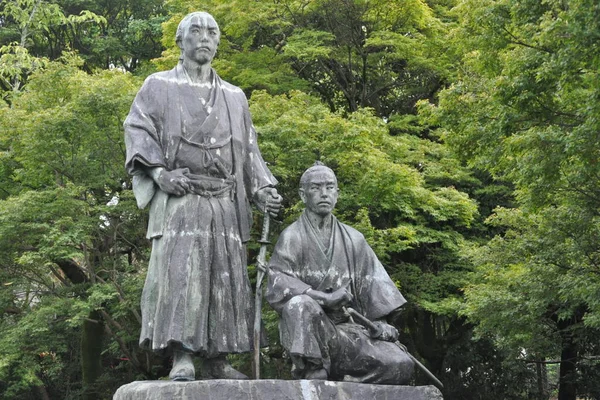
225,389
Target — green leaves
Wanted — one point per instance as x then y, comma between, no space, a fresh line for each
525,110
68,226
352,54
105,35
309,45
523,118
15,64
533,276
72,126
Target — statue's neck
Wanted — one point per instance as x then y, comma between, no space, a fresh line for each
322,226
198,73
319,222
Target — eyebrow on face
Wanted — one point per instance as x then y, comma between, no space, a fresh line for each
322,182
203,23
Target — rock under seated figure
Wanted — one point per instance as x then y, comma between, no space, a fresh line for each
192,150
320,265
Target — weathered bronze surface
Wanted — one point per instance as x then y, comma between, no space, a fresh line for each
193,154
320,265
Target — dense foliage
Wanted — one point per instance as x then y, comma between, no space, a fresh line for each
464,135
525,108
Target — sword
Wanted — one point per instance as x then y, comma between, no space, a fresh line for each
261,265
376,331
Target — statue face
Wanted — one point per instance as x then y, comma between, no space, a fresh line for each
320,192
200,39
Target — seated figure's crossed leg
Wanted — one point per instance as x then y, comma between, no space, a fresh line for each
305,331
359,358
344,351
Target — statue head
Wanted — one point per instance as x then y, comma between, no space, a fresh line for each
319,189
198,37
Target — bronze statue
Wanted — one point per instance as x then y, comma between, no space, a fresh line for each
318,267
192,151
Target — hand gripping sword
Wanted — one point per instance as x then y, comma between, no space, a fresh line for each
375,332
261,265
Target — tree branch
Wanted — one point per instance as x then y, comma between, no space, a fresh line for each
518,41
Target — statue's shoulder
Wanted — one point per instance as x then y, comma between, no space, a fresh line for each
292,231
162,76
158,80
231,90
229,87
355,235
292,235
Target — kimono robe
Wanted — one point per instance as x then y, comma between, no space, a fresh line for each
197,295
320,338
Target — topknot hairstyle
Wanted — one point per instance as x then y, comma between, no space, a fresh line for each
318,165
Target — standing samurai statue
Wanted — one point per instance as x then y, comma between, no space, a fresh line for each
192,151
320,265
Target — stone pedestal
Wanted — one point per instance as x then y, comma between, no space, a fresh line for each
224,389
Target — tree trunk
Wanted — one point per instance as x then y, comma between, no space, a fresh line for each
91,354
542,380
42,392
569,355
567,381
92,335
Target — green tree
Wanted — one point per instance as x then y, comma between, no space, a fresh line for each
70,234
25,24
130,36
104,33
352,54
525,109
338,80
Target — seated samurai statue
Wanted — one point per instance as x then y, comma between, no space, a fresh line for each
320,266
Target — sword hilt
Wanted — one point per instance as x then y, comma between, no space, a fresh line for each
374,330
264,237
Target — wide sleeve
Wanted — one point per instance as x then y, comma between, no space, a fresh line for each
256,173
377,294
284,283
143,127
